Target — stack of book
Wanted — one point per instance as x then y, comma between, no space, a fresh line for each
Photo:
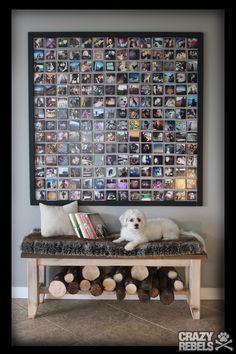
88,225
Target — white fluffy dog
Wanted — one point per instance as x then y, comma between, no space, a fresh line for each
137,229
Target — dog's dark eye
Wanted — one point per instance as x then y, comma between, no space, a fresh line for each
138,219
131,220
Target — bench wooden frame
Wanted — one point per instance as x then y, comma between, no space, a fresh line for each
192,264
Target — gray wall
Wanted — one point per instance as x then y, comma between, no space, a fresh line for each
207,219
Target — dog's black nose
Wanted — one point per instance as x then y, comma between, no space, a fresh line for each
136,226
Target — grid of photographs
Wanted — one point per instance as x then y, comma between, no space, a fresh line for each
115,118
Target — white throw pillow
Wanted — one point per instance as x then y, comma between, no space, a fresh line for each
55,220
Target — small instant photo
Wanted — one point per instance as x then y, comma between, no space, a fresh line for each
99,172
135,195
146,195
99,195
134,171
75,195
63,195
52,196
116,118
40,194
191,113
158,195
122,171
123,195
111,195
74,172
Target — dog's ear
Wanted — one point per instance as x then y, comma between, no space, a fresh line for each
124,217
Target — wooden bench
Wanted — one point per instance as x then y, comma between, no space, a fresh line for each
72,251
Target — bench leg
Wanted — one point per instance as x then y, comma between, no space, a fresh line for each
194,288
41,282
186,280
33,287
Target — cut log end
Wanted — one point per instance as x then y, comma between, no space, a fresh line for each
90,272
73,287
143,295
121,273
109,284
71,274
118,277
139,272
69,277
120,295
84,285
172,274
167,297
96,290
154,292
57,288
178,285
131,289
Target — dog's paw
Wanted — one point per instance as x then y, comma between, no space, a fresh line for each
118,240
129,247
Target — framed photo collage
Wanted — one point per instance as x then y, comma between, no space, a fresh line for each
116,118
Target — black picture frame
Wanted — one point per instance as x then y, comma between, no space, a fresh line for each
116,118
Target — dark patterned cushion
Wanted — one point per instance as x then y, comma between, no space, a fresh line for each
34,245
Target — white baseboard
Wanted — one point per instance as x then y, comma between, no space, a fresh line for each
206,294
19,292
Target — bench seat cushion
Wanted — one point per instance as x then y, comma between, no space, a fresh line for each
34,245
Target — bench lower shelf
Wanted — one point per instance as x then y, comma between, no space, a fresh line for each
106,295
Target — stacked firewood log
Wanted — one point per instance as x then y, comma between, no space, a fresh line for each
146,282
